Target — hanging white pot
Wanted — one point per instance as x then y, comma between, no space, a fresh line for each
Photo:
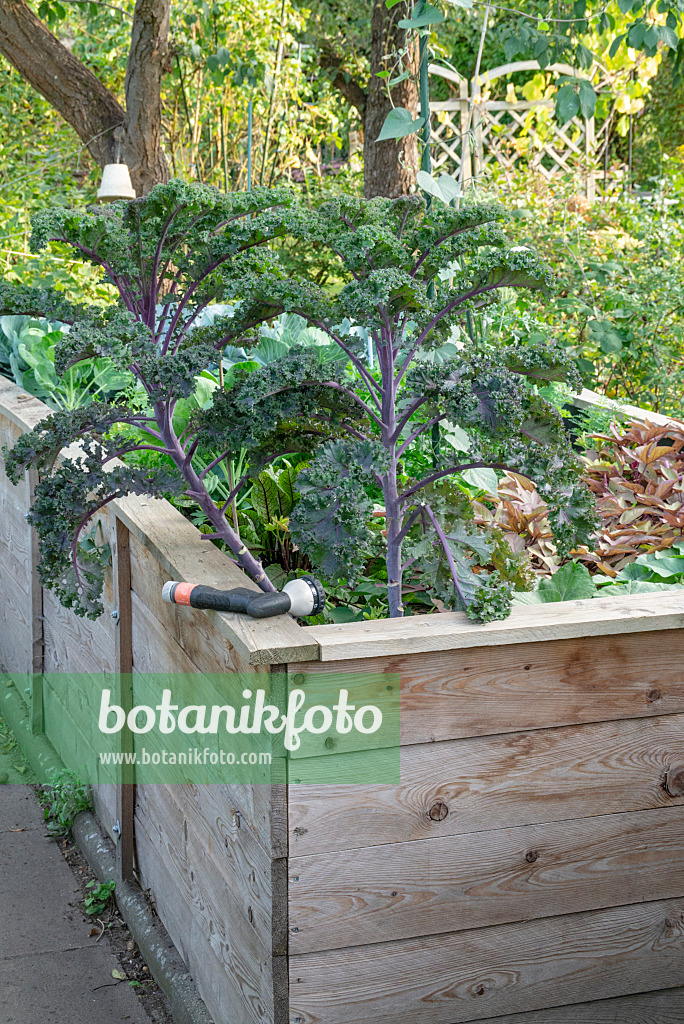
116,183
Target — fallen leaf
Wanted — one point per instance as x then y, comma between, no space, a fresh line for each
119,975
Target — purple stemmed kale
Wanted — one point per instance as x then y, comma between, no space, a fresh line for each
169,256
385,432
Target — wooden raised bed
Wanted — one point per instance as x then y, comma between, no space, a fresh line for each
529,867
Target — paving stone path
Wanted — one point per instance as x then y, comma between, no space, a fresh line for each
51,970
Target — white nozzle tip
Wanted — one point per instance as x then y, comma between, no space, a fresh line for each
167,591
301,597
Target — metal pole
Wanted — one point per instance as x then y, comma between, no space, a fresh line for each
425,159
249,146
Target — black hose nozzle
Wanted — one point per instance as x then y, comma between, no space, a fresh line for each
301,597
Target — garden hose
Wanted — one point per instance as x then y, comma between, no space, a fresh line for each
301,597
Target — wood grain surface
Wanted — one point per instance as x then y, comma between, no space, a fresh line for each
483,691
486,878
506,969
665,1007
453,630
495,782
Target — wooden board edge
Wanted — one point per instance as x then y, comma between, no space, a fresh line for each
528,624
592,400
178,547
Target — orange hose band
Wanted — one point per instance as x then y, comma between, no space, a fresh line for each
181,594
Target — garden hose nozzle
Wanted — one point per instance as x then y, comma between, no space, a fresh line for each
301,597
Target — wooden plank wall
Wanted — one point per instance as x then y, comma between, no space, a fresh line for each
16,607
212,857
529,867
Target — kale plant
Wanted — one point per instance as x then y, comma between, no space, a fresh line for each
408,417
169,256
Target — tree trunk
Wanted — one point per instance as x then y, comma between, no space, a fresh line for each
147,62
83,101
390,167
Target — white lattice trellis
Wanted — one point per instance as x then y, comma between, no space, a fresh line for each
502,131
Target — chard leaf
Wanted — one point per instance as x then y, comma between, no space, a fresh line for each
572,582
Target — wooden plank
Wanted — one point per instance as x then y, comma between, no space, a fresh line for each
16,610
511,968
497,782
204,953
178,547
216,831
15,619
202,914
20,408
36,597
193,630
450,631
154,651
665,1007
489,878
75,644
104,799
123,694
482,691
591,399
67,729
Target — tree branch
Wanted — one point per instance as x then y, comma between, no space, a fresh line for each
146,65
67,84
330,60
81,98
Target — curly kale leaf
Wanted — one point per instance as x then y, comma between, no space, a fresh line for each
114,332
64,504
330,520
41,446
541,362
447,554
492,600
474,391
174,376
41,302
286,406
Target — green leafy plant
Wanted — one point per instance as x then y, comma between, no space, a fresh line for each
169,255
361,430
572,582
618,310
368,424
27,351
63,799
98,896
660,571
